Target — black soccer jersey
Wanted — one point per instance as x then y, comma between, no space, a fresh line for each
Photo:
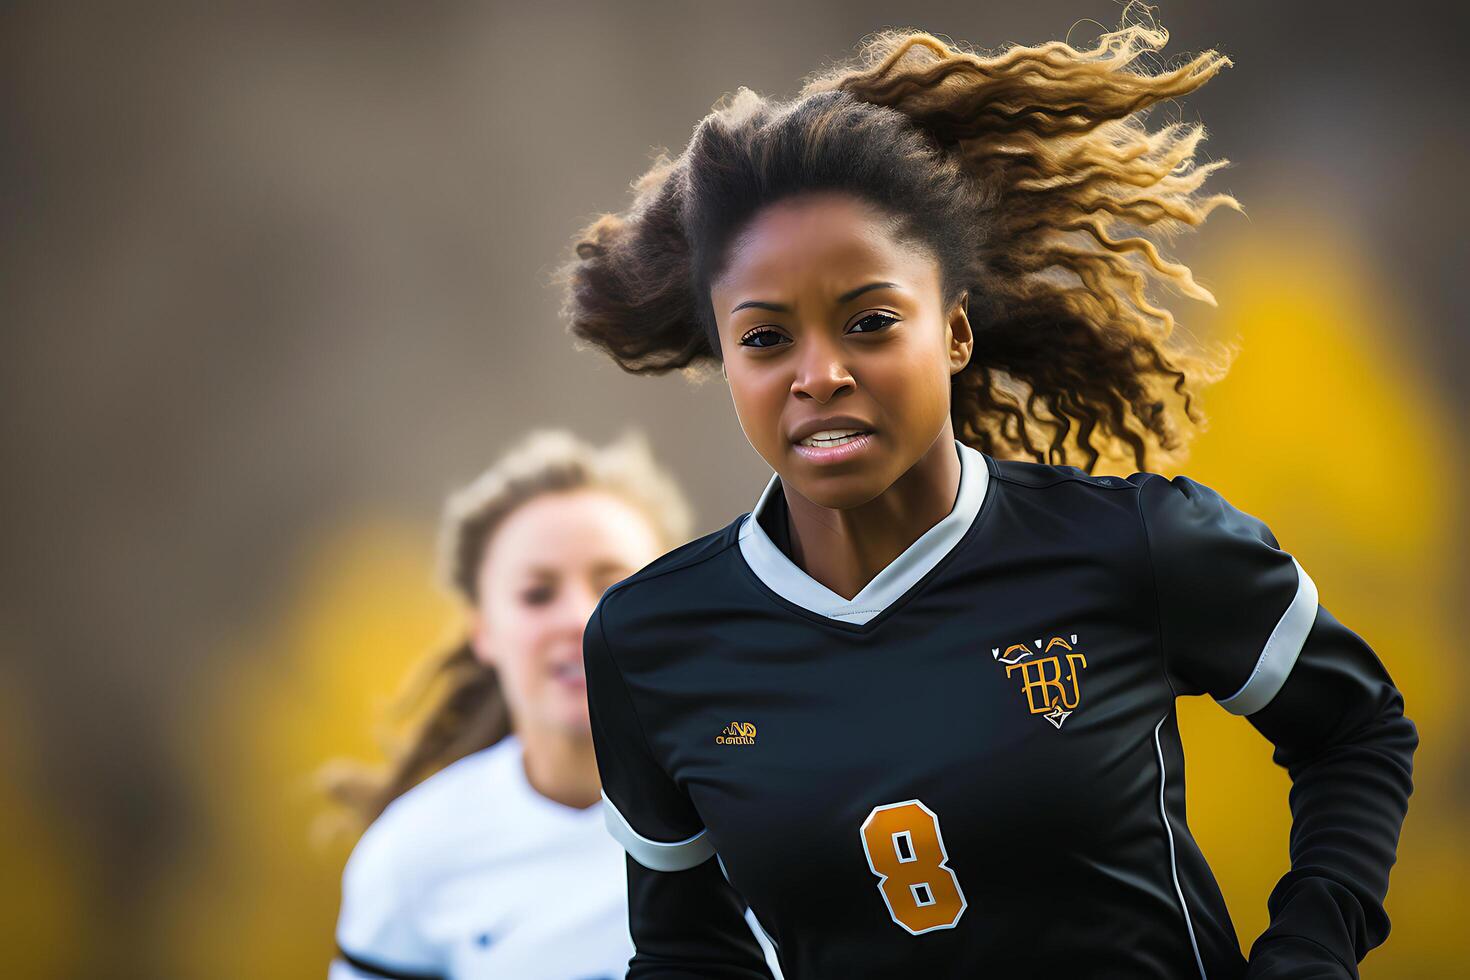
973,768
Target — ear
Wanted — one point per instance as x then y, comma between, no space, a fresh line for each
479,639
961,336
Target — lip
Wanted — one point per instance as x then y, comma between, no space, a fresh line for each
569,678
830,422
837,454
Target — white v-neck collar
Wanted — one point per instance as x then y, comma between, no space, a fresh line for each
788,580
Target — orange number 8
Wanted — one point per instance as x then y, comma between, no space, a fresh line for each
907,854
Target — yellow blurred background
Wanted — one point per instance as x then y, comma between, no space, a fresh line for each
277,281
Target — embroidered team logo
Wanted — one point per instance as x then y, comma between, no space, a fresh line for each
736,733
1048,692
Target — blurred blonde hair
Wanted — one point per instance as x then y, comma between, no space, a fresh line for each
452,704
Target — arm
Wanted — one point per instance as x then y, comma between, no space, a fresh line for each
1240,620
685,919
348,967
377,935
689,924
1340,732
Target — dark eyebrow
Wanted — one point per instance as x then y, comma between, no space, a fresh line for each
851,294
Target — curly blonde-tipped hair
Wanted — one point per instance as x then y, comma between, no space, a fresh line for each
466,711
1030,174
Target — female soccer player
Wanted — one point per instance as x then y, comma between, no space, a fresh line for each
917,707
498,864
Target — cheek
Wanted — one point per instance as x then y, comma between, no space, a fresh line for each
518,641
759,398
524,679
913,377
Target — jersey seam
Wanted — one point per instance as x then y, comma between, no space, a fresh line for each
633,706
1148,553
637,578
1173,855
1085,480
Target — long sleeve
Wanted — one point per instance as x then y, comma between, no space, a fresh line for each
1240,620
685,919
690,924
1339,729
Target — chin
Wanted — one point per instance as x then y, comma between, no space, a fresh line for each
572,718
838,491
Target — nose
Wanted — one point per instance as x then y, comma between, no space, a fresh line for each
821,373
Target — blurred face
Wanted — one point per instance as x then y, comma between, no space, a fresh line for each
540,578
837,346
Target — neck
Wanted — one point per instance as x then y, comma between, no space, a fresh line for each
845,549
561,766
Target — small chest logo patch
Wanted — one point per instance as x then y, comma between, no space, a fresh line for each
737,733
1048,692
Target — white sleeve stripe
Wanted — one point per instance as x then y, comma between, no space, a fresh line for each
1281,651
656,855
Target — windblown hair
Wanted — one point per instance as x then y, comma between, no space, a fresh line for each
1031,176
465,709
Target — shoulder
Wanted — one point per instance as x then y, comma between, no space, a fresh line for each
685,558
1186,518
1159,500
681,576
1064,502
421,831
1041,476
433,802
419,840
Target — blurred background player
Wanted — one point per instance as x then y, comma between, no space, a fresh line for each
486,856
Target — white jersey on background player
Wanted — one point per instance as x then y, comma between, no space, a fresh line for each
473,874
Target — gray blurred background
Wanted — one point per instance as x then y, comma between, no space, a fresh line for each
277,279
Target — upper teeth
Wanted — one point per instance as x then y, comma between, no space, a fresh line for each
829,436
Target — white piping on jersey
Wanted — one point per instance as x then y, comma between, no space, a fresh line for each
762,938
764,941
652,854
789,581
1173,861
1282,648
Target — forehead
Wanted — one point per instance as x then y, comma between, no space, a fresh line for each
570,528
819,239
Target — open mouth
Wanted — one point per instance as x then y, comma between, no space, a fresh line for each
829,438
569,673
835,446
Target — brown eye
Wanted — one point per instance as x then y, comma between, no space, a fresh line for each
773,338
875,321
538,596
